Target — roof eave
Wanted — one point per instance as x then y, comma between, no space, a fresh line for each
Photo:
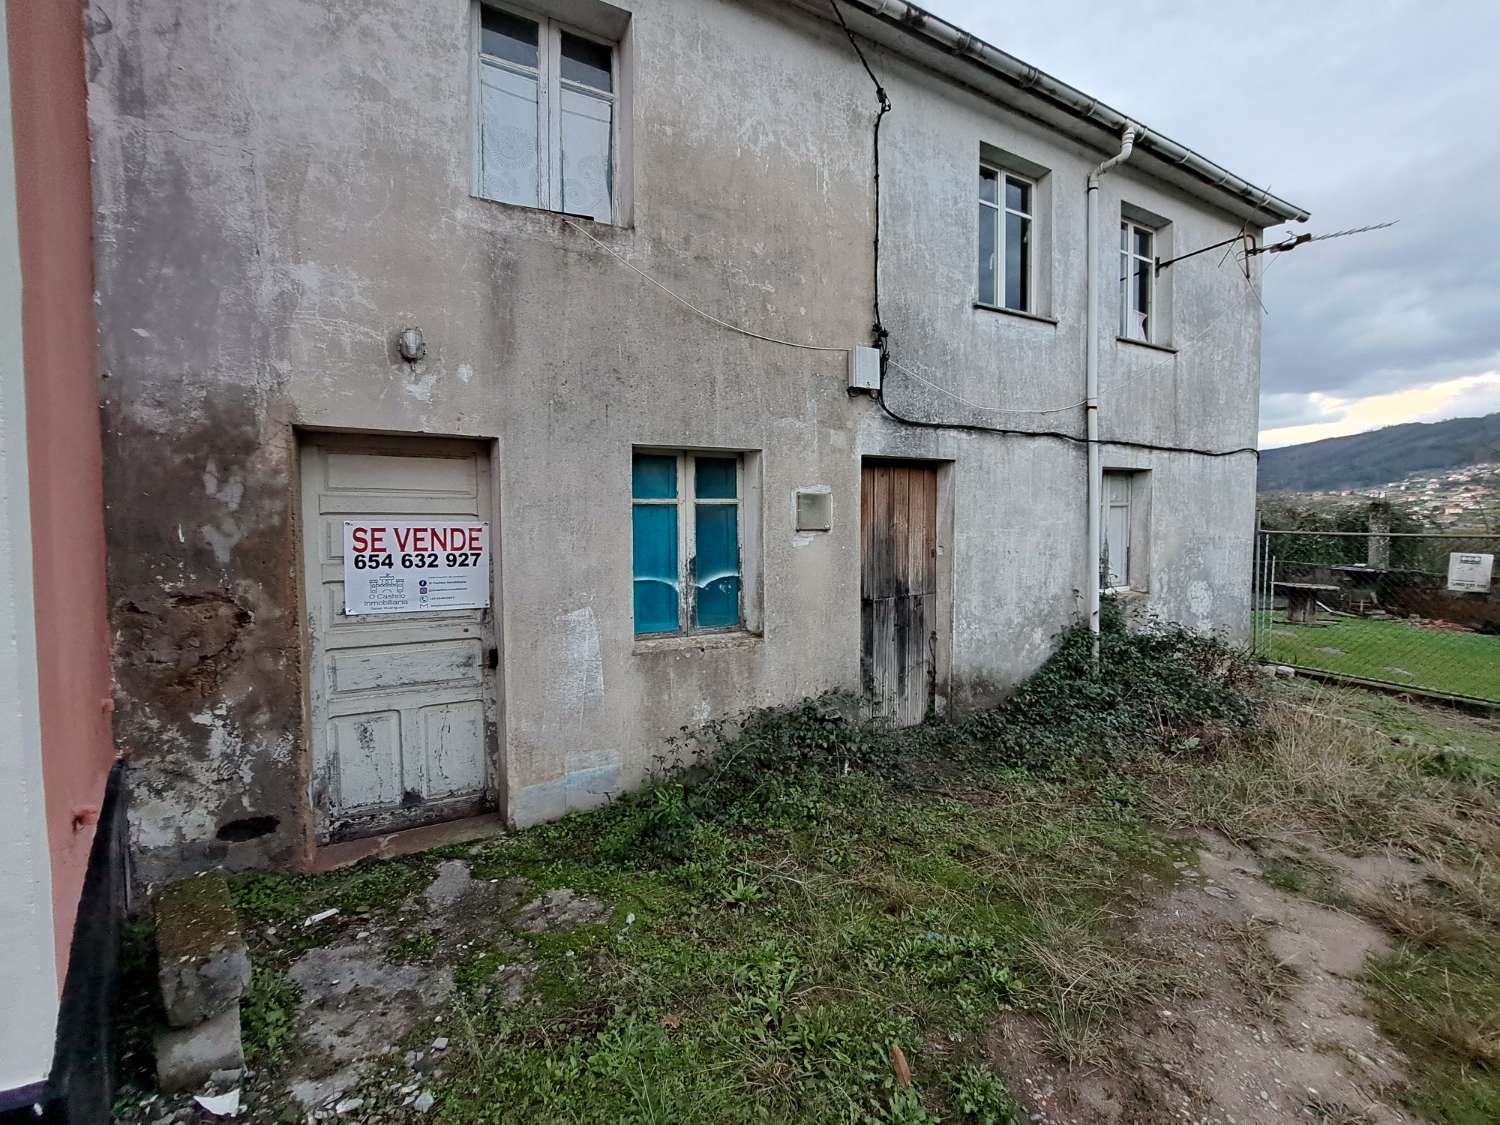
955,53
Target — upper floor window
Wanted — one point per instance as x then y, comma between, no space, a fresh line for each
1005,240
1137,281
546,115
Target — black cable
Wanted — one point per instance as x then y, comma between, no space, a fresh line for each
975,427
881,335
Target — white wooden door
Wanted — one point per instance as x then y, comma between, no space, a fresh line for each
401,707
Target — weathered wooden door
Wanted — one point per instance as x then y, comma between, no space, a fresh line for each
401,705
898,587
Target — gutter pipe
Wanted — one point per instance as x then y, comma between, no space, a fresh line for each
1095,489
955,41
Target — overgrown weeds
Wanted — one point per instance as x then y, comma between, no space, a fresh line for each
1157,686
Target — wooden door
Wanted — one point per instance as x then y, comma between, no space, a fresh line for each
898,587
401,705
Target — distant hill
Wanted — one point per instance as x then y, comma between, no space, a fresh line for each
1368,459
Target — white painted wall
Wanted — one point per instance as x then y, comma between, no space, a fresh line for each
28,957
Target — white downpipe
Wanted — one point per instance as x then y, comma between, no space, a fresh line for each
1091,379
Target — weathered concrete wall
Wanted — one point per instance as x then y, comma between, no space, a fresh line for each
281,187
1019,568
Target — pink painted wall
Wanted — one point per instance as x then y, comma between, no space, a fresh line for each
55,212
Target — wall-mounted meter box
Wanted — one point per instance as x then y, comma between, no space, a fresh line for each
864,369
814,508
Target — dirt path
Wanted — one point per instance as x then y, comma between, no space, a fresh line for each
1269,1025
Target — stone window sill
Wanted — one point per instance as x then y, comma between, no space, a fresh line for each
1147,344
1017,313
700,642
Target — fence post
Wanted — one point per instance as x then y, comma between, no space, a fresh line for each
1378,548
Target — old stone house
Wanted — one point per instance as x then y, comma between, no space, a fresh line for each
483,397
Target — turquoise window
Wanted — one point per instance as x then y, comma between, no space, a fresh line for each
654,551
715,478
717,578
685,524
654,477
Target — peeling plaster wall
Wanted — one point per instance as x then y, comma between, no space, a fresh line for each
281,186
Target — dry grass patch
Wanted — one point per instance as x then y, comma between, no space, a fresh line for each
1304,771
1264,979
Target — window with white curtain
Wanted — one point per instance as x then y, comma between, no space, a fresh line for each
546,119
1137,281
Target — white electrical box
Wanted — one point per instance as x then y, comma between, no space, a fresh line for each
864,369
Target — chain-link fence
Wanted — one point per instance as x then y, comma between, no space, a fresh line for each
1420,611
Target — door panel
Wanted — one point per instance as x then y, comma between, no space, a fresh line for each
402,709
898,587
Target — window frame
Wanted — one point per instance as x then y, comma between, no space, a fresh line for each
1000,210
1129,229
550,84
1107,504
687,501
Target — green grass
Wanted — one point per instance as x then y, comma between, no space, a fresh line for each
1461,664
880,919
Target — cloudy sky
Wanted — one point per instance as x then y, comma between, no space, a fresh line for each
1358,111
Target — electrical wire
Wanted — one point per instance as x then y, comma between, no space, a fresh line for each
1125,443
982,406
680,299
880,335
1150,368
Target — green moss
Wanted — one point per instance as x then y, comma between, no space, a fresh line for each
196,917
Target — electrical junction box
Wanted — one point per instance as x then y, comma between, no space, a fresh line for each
864,369
814,508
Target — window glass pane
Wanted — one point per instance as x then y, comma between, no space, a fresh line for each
654,562
585,61
987,255
989,186
1143,299
1143,242
654,476
586,173
1017,195
507,37
508,151
715,478
1017,262
1116,562
1126,326
717,572
1124,236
